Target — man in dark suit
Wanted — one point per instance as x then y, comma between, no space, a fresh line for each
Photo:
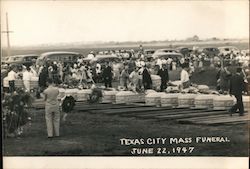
107,75
236,89
146,79
163,73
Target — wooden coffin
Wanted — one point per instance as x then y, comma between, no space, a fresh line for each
223,102
154,98
246,100
186,100
83,95
204,101
123,97
109,96
169,100
71,92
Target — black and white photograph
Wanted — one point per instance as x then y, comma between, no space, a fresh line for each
125,80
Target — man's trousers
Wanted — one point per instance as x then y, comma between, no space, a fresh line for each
52,116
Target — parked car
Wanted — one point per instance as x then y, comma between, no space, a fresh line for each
166,55
4,60
26,60
210,51
69,57
126,54
149,52
104,58
184,51
167,50
225,50
245,52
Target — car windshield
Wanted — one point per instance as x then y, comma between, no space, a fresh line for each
15,58
150,52
167,56
62,57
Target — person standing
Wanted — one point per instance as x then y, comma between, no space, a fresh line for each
134,78
224,79
98,71
124,77
163,73
107,75
12,76
42,79
60,71
185,76
26,78
146,79
66,70
236,89
52,113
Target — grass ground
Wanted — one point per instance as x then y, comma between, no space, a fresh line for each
97,134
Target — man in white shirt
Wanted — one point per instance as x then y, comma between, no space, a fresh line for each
26,78
12,75
185,76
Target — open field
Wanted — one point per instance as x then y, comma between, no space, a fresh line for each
85,49
98,134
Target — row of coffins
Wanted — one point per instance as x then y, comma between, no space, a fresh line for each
190,100
163,99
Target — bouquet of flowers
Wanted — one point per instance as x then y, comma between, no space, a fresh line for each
15,110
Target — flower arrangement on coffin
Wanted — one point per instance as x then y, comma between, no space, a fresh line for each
15,111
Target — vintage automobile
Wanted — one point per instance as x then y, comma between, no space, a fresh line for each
126,54
166,55
5,59
149,52
226,50
69,57
26,60
210,51
167,50
184,50
103,58
245,52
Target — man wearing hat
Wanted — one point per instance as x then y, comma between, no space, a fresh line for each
236,89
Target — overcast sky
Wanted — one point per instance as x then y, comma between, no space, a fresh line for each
38,22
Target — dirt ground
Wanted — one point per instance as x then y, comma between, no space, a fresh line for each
96,134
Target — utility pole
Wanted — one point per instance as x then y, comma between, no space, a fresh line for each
8,36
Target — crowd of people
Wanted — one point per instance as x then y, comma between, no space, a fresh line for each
133,72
